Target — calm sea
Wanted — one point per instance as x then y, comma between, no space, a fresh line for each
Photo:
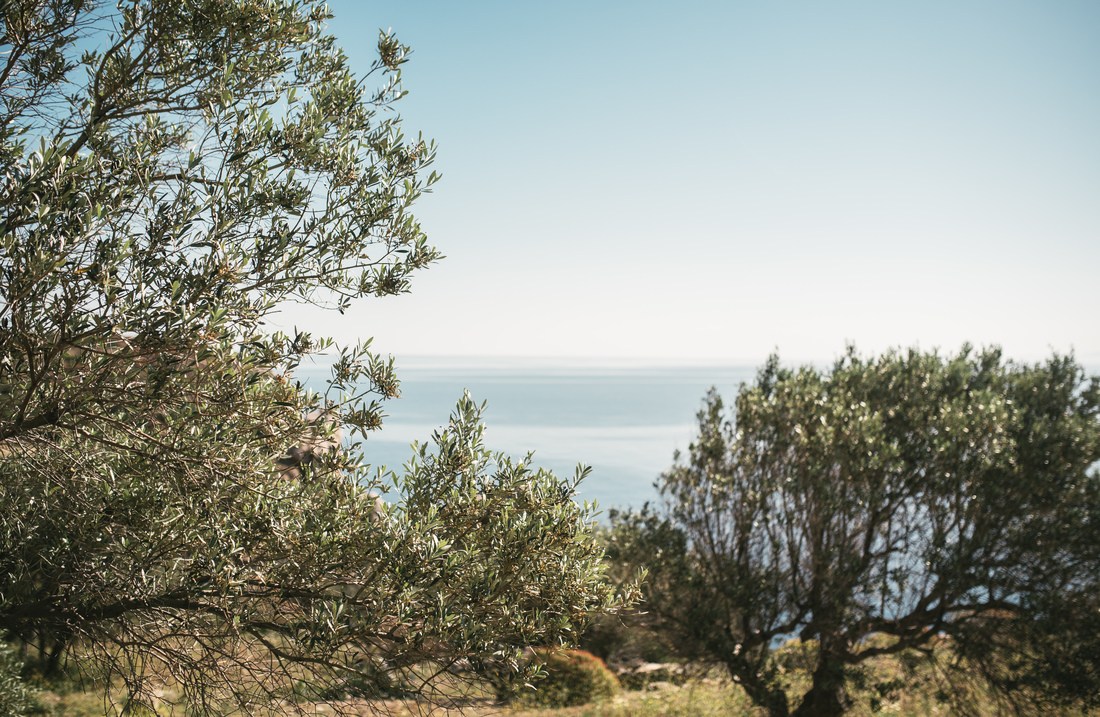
625,421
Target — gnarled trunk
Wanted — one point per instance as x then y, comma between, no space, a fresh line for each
827,697
765,695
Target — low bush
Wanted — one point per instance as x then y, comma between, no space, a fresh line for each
17,698
569,678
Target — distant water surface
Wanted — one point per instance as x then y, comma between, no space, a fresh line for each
625,421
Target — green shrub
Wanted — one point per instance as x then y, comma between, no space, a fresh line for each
17,698
569,678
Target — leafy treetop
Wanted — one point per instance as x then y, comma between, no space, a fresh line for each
171,172
894,505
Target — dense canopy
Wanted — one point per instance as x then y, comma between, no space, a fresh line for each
176,505
910,504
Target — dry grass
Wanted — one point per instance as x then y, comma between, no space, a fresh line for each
708,696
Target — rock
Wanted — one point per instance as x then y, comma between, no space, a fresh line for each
643,675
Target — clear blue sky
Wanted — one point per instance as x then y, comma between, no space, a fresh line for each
710,181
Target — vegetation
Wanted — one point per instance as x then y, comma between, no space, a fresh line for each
909,505
569,678
923,695
189,529
17,698
176,507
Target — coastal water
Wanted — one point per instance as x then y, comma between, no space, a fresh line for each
625,421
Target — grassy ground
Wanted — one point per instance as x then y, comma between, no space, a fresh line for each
703,696
697,698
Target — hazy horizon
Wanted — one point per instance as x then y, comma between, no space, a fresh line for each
457,363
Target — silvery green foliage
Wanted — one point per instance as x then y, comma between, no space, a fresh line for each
17,698
909,504
171,171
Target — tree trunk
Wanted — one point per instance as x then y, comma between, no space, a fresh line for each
775,703
54,660
50,650
762,694
827,697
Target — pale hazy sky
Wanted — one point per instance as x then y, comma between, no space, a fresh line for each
710,181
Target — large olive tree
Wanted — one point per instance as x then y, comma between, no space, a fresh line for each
171,172
910,504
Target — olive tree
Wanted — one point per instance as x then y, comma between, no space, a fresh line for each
171,173
911,504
